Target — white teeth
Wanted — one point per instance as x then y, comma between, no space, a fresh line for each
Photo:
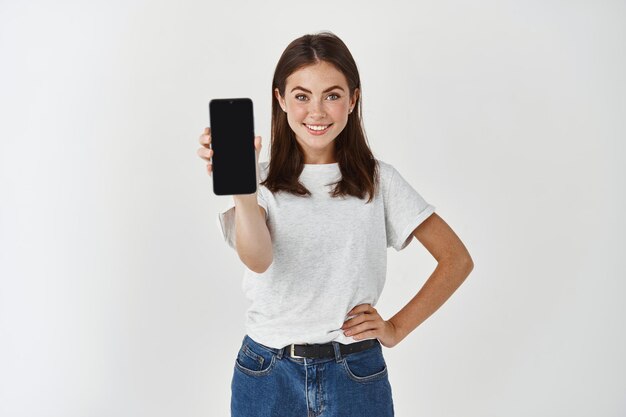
317,127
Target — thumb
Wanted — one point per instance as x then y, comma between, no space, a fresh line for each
257,151
257,146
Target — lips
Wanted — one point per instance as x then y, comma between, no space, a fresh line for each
317,131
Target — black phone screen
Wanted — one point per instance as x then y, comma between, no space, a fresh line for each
232,141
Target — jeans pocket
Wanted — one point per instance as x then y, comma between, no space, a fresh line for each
366,366
254,360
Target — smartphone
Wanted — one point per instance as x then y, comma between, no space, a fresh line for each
232,141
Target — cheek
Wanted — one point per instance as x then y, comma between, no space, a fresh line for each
338,112
297,114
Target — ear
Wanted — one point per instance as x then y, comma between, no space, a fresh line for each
279,98
355,96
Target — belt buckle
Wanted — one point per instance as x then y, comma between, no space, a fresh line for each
292,351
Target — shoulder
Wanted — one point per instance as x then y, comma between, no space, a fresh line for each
385,171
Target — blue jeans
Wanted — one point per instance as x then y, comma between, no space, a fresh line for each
268,383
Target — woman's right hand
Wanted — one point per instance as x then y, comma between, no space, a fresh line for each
206,153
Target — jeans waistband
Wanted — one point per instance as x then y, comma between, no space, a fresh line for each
315,351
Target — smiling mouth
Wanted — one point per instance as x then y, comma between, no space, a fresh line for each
317,128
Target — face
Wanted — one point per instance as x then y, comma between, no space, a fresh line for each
317,97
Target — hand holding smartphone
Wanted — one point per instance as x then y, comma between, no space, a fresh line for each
233,146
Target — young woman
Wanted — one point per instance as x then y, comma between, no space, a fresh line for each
314,239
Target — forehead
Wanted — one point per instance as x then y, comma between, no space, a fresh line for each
317,77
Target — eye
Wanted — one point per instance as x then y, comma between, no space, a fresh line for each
300,95
336,95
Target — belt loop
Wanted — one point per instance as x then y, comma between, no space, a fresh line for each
279,355
337,349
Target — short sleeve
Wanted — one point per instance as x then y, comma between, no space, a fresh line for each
405,209
226,218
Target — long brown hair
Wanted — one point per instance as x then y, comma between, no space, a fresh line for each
357,164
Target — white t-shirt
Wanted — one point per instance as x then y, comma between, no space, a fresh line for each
330,254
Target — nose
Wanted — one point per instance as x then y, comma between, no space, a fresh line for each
317,110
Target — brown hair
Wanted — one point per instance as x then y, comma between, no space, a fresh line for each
357,164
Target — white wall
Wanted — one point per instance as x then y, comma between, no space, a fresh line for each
118,296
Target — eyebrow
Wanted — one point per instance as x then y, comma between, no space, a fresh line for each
325,91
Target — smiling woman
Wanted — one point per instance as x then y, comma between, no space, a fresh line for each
315,92
330,210
317,110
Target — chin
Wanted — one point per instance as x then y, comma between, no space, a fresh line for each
314,143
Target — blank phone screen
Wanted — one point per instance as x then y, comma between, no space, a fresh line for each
232,141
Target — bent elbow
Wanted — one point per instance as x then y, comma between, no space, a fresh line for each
261,268
469,264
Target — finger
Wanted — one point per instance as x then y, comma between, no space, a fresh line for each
360,314
366,335
205,138
352,322
205,153
209,168
361,308
355,321
360,328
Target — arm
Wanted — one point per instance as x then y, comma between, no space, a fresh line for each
453,265
253,241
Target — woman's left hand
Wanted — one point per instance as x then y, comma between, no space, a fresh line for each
369,324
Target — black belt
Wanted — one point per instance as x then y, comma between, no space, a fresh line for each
326,350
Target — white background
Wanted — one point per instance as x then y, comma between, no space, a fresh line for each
118,296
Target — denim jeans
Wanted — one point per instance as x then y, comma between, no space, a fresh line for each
268,383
